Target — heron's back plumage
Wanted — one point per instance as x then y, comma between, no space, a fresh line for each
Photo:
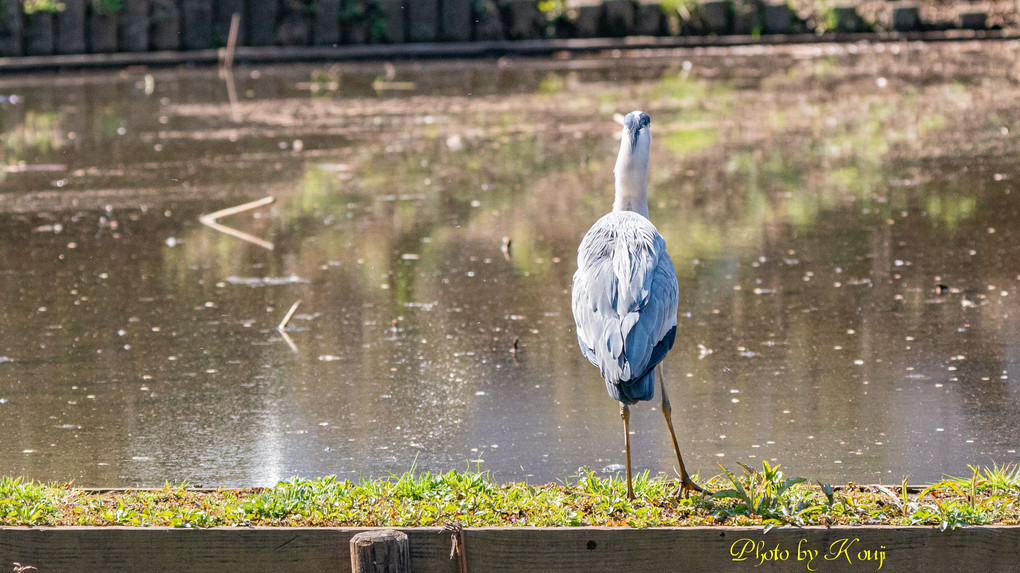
624,301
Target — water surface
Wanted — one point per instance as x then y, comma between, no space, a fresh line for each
843,221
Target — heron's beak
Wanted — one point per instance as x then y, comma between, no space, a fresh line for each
634,132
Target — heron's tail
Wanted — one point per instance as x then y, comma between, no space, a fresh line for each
633,391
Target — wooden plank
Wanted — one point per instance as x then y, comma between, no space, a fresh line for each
224,12
838,549
905,18
974,20
38,34
648,19
718,16
213,550
777,18
294,26
262,17
166,25
522,550
394,13
619,17
103,32
455,20
10,28
326,23
355,23
196,24
488,25
134,26
522,20
166,550
422,20
69,28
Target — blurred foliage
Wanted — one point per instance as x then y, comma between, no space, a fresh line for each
107,6
36,134
42,6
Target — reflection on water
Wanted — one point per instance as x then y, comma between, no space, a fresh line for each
843,221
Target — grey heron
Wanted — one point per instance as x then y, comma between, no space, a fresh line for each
625,292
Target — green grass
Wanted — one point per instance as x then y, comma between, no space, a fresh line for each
755,497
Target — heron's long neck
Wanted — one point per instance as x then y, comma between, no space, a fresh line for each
631,182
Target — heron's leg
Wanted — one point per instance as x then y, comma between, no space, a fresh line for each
686,483
625,414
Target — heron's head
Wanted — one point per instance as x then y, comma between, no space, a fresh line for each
636,131
632,164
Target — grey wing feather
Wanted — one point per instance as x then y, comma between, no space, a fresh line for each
624,301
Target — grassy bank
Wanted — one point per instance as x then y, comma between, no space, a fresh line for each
753,497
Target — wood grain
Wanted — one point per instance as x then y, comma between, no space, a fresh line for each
522,550
380,551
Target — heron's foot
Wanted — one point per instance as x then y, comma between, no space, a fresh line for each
687,486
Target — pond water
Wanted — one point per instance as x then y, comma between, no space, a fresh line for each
843,218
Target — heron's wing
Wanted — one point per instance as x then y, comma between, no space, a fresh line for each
654,323
625,299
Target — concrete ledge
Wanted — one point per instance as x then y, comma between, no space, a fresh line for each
484,49
522,550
